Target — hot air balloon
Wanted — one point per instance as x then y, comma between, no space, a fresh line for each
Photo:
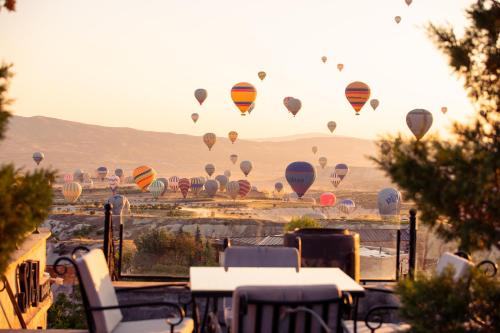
232,136
346,206
165,182
250,109
341,170
210,169
196,185
233,189
223,180
389,201
119,173
211,187
408,2
331,126
357,93
102,172
68,178
246,167
38,157
335,179
294,106
114,181
243,95
340,67
78,175
324,59
300,176
419,121
209,139
200,95
144,176
322,161
397,19
285,102
194,117
244,187
278,187
327,199
444,109
184,185
233,158
173,183
227,173
71,191
262,75
374,104
156,188
314,149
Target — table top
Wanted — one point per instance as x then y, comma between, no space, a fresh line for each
215,280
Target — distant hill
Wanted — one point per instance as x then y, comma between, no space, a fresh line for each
70,145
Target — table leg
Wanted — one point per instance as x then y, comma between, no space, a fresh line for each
355,314
205,315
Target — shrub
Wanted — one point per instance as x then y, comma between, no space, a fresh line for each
302,223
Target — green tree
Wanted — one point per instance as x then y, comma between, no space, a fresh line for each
455,184
302,223
25,197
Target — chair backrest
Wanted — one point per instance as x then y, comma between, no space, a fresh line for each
461,266
269,309
261,256
99,290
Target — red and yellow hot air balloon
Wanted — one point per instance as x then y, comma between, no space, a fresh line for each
233,135
144,176
357,93
243,95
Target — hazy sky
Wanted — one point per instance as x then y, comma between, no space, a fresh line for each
137,63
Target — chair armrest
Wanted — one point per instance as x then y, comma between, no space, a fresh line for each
372,317
488,267
137,305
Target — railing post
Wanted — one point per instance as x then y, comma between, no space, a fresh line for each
108,246
398,253
413,243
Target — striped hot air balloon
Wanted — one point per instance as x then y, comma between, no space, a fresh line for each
209,139
346,206
341,170
38,157
233,135
144,176
300,176
243,95
233,189
71,191
114,181
357,93
173,183
165,182
419,121
102,172
223,180
184,185
335,179
156,188
244,187
210,169
196,185
68,178
211,187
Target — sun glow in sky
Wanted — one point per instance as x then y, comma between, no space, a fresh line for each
137,63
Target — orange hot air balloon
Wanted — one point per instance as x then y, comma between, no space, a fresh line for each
209,139
357,93
243,95
340,67
144,176
233,136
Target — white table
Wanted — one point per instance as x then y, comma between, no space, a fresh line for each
215,281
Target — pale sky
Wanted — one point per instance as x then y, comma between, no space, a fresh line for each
137,63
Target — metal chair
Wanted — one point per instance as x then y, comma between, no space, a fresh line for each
297,309
101,304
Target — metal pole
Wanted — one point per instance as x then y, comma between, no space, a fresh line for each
398,253
107,227
413,243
